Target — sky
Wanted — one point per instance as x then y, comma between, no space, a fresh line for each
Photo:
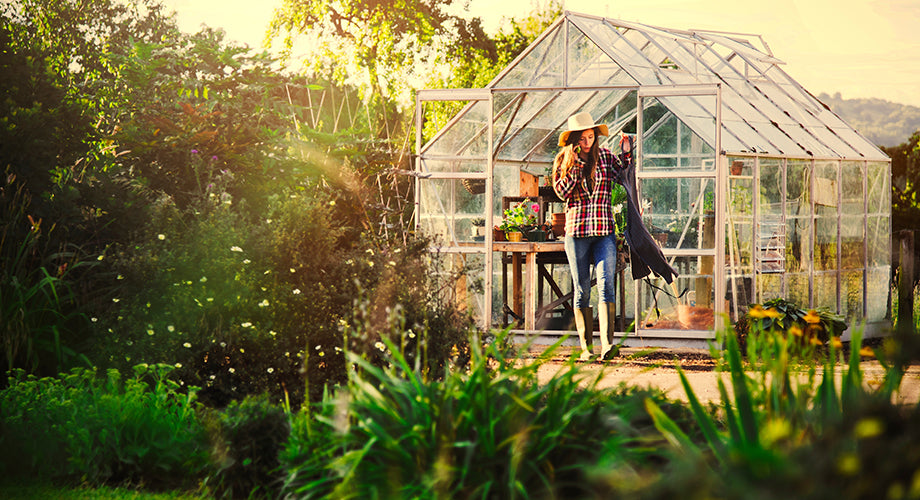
860,48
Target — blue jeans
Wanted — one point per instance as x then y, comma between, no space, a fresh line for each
600,251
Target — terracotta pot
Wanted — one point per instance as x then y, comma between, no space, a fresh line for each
514,236
498,234
736,167
559,224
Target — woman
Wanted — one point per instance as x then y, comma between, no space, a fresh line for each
583,177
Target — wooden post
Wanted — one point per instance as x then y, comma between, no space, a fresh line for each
906,282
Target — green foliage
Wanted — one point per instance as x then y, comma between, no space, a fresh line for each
247,438
37,304
102,429
382,43
784,316
490,431
781,433
905,183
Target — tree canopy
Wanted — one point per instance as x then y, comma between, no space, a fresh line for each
383,43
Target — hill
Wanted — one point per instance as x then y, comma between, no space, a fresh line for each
885,123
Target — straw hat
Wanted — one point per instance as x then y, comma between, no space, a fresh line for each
581,121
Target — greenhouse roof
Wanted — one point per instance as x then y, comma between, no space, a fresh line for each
595,64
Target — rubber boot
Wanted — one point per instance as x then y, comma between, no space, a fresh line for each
584,323
606,314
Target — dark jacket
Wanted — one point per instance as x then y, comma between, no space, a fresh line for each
644,253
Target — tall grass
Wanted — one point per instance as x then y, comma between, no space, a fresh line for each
491,431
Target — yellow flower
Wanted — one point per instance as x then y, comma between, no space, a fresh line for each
795,330
866,351
812,317
835,341
757,312
816,341
772,313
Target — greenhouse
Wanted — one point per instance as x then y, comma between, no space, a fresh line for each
754,189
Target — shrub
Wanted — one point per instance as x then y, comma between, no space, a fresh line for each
102,430
247,438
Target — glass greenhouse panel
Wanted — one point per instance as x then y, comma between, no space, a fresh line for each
879,182
464,135
772,188
851,294
669,144
588,65
466,271
613,42
852,189
770,286
826,290
540,66
692,311
678,211
825,248
447,210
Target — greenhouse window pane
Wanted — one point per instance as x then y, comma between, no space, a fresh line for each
695,312
589,65
798,188
879,197
447,210
878,241
851,294
852,191
466,272
797,289
542,66
771,187
672,212
668,142
798,244
770,286
877,293
466,135
852,242
826,290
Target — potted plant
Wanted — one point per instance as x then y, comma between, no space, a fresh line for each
520,219
479,228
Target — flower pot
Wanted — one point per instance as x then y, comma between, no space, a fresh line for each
536,235
559,223
736,167
514,236
498,234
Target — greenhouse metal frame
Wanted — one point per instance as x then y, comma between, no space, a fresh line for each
736,164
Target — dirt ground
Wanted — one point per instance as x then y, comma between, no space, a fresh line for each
642,368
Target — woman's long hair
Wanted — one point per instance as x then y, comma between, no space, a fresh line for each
594,156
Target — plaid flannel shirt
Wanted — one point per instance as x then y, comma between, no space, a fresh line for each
589,212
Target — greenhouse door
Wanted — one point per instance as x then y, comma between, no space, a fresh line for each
453,199
679,178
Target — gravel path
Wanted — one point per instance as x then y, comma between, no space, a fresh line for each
656,368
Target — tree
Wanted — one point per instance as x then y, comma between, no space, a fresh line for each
383,44
905,183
